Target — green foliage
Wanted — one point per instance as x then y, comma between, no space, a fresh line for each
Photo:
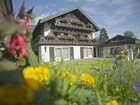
103,36
7,66
32,59
115,79
129,34
8,27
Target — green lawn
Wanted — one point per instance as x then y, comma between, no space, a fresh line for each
88,64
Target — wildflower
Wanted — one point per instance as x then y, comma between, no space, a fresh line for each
22,52
136,88
120,80
12,44
64,73
112,102
18,40
87,78
105,71
17,94
73,79
114,60
36,76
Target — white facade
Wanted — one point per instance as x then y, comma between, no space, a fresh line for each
44,52
130,55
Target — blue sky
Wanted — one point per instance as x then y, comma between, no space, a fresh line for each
116,16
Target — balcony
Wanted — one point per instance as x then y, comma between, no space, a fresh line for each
65,40
73,24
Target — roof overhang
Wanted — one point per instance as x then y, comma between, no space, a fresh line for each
67,11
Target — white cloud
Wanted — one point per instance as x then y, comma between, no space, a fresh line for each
41,16
102,1
111,17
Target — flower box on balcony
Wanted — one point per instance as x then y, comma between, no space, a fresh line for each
93,40
70,38
76,22
50,37
63,37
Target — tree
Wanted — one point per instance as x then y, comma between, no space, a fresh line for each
103,36
129,34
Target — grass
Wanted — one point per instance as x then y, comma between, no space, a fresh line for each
88,64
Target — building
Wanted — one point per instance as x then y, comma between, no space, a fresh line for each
69,33
132,45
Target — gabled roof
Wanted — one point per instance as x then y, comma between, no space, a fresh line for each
120,40
67,11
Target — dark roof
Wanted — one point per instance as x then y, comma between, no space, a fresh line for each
120,40
67,11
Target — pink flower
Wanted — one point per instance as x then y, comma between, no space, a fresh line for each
22,52
18,40
26,24
12,44
21,41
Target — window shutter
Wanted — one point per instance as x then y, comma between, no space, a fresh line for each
81,52
71,53
51,49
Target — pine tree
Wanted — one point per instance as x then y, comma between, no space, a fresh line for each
103,36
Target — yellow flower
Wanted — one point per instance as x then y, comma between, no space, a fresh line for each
87,78
72,79
36,76
112,102
17,94
64,73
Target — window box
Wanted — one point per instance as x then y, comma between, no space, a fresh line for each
50,37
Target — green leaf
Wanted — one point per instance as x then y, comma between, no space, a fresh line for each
72,89
7,66
32,59
22,61
8,27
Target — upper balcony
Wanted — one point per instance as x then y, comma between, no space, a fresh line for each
63,40
67,23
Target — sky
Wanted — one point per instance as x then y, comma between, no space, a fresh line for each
116,16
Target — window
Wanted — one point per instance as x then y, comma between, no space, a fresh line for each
65,51
58,53
112,51
90,52
87,52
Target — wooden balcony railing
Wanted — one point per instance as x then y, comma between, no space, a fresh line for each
65,40
73,24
